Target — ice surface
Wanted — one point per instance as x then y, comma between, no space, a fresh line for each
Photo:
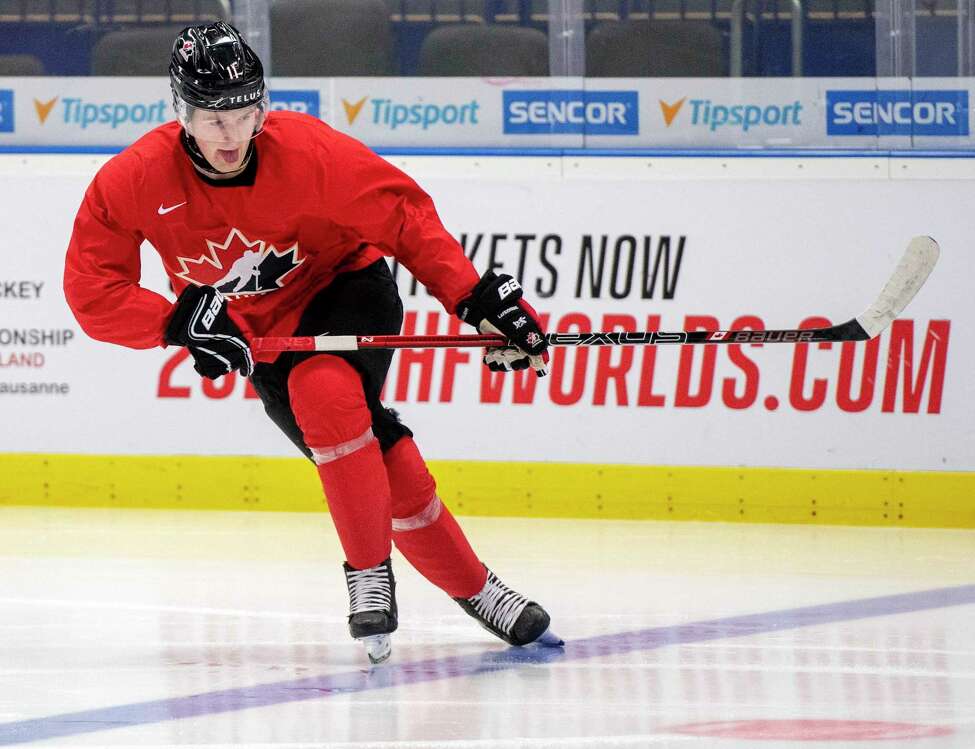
132,628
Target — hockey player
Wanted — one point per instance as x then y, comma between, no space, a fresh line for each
275,224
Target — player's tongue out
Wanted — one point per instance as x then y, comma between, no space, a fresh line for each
229,155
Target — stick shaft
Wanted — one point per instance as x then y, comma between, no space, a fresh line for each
911,272
849,331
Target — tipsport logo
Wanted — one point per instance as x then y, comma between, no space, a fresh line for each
716,116
874,113
571,112
393,114
306,102
6,110
80,113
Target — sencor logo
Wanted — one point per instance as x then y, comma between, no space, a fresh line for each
571,112
85,114
6,110
393,114
306,102
744,117
940,113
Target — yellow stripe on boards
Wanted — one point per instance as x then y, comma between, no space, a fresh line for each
161,481
545,490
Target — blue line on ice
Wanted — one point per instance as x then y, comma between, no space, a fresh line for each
399,674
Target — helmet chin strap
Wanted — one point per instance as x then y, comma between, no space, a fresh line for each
201,163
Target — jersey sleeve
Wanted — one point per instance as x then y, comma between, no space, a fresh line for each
388,209
102,267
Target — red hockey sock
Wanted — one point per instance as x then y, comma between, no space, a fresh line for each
423,528
330,408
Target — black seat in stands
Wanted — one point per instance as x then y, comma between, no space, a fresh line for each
331,38
649,49
138,51
13,65
482,50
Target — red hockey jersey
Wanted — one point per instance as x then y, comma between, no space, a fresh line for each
321,203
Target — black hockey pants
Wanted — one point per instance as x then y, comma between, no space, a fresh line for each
355,303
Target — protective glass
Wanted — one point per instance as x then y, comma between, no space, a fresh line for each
228,126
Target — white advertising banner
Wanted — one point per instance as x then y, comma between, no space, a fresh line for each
519,113
455,112
83,111
114,112
592,255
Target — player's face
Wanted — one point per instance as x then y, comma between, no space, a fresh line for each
223,137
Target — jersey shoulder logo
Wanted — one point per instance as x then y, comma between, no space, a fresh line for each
239,266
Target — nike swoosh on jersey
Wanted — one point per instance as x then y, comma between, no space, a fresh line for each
164,211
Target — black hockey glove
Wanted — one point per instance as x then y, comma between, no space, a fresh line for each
200,322
495,306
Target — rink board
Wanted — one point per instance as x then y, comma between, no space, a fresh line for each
732,433
612,492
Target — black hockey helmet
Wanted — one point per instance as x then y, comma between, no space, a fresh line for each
213,68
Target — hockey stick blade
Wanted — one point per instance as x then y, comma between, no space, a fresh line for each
912,271
910,274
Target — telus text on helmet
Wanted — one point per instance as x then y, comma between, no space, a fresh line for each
240,99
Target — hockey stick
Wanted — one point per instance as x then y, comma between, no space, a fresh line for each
911,272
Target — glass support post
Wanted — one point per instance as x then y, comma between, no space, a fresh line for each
798,19
253,19
895,39
566,38
966,38
737,41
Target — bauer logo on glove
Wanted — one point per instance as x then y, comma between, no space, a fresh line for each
201,323
491,308
508,288
210,316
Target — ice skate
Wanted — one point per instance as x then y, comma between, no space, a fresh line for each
372,608
507,614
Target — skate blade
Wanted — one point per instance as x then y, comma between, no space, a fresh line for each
378,648
550,640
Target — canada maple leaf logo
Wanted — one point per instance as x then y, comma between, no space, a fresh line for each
240,267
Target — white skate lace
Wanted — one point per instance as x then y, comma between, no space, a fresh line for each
369,589
498,604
